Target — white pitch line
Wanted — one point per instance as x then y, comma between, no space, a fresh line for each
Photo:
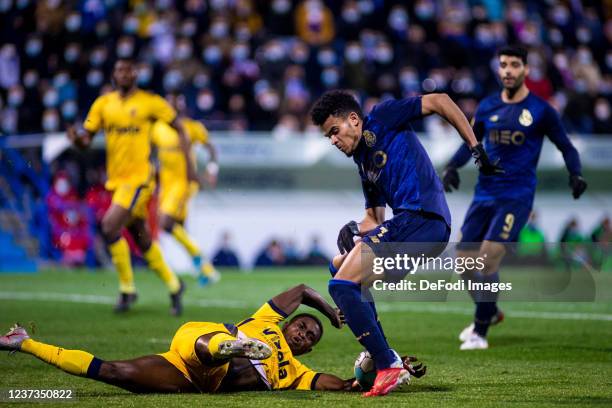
238,304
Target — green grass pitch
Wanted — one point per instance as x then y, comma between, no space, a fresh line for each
544,354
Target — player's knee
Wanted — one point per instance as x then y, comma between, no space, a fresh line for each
109,229
167,223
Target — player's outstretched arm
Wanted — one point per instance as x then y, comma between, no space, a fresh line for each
329,382
212,168
177,124
291,299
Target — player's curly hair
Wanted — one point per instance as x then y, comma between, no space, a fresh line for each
334,103
310,316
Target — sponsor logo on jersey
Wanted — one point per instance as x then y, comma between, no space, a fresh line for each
370,138
494,118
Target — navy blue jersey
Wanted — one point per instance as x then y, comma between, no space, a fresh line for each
393,165
514,133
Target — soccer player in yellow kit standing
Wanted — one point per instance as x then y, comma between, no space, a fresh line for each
175,188
126,116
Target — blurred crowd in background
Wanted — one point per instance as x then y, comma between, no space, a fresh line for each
259,64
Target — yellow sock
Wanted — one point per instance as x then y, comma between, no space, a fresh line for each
180,234
120,255
74,362
213,343
156,262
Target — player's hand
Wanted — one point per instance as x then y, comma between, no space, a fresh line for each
81,141
450,179
578,185
212,170
338,319
483,163
345,237
417,370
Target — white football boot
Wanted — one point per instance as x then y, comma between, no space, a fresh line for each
497,319
474,342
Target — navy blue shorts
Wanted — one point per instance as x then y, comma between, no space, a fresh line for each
498,221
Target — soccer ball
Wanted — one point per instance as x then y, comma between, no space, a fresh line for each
365,370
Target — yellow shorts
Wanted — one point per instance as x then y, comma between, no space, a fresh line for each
134,197
182,355
174,199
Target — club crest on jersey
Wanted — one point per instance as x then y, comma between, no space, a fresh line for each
370,138
494,118
525,119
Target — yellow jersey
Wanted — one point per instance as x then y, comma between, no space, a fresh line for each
282,370
127,124
171,159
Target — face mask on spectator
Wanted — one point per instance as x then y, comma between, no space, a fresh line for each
353,54
69,110
269,101
130,25
50,122
144,76
51,98
242,33
560,15
33,47
384,55
580,85
351,14
218,4
584,56
95,78
329,77
398,19
30,79
274,53
61,186
326,57
72,53
97,57
172,79
163,4
424,10
602,111
15,97
240,52
73,22
189,29
60,79
561,61
440,80
281,6
201,81
183,52
205,101
125,49
212,54
583,35
299,54
365,6
408,80
5,5
536,74
219,29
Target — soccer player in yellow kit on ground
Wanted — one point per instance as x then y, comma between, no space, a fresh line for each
175,190
126,116
253,355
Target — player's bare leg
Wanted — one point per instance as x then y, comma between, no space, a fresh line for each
152,254
206,271
487,313
115,218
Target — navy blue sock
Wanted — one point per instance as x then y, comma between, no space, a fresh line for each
360,318
486,306
332,268
94,368
368,295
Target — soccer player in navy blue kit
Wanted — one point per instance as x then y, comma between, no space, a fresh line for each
512,125
396,171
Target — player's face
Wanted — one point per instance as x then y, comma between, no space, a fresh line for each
344,133
301,335
124,74
512,71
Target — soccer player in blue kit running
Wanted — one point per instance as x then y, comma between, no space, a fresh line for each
512,125
396,171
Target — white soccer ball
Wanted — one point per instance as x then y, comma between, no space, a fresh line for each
365,370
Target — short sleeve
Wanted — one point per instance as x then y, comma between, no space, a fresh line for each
161,109
306,378
200,133
270,313
398,112
93,121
